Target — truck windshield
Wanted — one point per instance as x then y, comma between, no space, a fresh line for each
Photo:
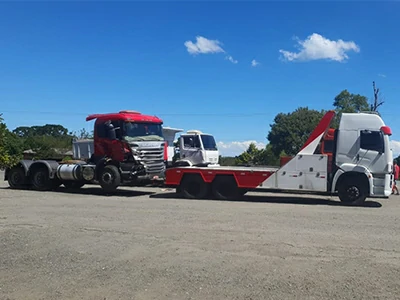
208,142
134,131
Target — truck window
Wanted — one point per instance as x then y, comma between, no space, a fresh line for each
101,130
191,141
371,140
208,142
117,124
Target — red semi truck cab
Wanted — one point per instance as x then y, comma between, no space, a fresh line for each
129,135
128,149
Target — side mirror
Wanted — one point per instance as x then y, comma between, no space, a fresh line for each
112,133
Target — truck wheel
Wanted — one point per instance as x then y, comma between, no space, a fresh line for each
193,187
110,178
40,179
225,188
16,178
73,184
353,191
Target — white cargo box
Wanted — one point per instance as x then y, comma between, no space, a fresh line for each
82,149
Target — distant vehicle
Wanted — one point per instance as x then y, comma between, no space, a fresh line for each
196,148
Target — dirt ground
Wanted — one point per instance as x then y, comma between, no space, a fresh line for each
144,244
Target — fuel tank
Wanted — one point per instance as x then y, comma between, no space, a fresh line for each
69,172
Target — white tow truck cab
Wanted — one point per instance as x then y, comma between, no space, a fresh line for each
363,147
197,149
358,165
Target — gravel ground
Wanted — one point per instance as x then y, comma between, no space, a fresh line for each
144,244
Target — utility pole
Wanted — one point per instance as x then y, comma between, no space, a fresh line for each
375,106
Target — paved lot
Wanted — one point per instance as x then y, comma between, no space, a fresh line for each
141,245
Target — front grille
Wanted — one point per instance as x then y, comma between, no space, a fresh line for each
152,159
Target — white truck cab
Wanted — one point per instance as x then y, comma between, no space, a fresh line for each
363,147
197,149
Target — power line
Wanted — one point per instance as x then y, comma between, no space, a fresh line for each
158,114
251,114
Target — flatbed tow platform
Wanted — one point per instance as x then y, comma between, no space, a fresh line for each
222,182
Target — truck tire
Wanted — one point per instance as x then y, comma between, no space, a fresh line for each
353,190
16,178
110,178
40,179
193,187
225,188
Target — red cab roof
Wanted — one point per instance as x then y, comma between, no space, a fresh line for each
125,115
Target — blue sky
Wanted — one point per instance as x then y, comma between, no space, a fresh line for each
61,61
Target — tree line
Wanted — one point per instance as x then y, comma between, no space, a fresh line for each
47,141
287,134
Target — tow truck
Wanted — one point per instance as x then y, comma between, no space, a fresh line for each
355,161
129,149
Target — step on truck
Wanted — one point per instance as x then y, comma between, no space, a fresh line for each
129,149
354,161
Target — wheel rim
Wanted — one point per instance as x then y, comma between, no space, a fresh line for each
16,177
39,178
353,192
107,178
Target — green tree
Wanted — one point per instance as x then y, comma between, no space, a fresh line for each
83,134
250,156
267,157
10,147
258,157
48,141
227,160
54,130
290,131
345,102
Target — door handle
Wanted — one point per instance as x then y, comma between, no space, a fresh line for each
357,157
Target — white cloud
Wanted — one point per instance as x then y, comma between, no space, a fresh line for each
236,148
318,47
395,148
230,58
204,46
382,75
254,63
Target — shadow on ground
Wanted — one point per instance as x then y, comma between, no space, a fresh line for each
274,199
92,191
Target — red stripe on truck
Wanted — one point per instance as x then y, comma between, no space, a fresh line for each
322,127
244,179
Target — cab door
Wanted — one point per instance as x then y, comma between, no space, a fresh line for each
191,149
371,150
